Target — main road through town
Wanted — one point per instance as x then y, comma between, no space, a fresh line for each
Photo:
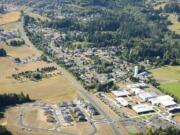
84,92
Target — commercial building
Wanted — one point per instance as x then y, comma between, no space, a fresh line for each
121,93
142,108
136,91
137,85
146,96
122,101
166,101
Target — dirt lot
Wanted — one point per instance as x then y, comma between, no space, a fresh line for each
36,118
177,118
9,17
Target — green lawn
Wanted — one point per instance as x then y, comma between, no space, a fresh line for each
173,88
166,74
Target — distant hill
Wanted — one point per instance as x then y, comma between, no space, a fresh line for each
132,24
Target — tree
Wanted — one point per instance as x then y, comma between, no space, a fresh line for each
2,52
4,131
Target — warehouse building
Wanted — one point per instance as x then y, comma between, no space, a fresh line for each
146,96
120,93
166,101
136,91
143,108
122,101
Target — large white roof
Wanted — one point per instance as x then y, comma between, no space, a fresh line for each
120,93
166,100
140,108
137,90
147,95
122,101
165,97
137,85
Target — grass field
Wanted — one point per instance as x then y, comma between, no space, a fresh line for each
9,18
52,89
167,74
169,79
173,88
175,24
21,52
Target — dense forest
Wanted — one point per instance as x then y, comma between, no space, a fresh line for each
7,100
13,99
4,131
141,31
2,52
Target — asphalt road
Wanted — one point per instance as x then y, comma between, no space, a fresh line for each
84,92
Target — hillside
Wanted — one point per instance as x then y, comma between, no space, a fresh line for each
134,25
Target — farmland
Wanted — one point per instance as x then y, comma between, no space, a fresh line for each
169,79
173,88
167,74
52,89
9,18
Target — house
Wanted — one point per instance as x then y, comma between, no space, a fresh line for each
81,118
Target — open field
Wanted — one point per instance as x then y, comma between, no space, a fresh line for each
21,52
11,26
9,18
167,74
175,27
52,89
173,88
169,79
161,5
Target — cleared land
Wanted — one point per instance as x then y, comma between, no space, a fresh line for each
9,18
21,52
169,78
167,74
173,88
175,24
52,89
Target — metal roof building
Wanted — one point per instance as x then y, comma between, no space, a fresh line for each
122,101
143,108
120,93
146,96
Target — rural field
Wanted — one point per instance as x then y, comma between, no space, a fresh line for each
54,89
9,18
169,78
173,88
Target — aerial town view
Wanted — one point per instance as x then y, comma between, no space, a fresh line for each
90,67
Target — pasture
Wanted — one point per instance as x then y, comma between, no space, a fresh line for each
173,88
10,17
54,89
